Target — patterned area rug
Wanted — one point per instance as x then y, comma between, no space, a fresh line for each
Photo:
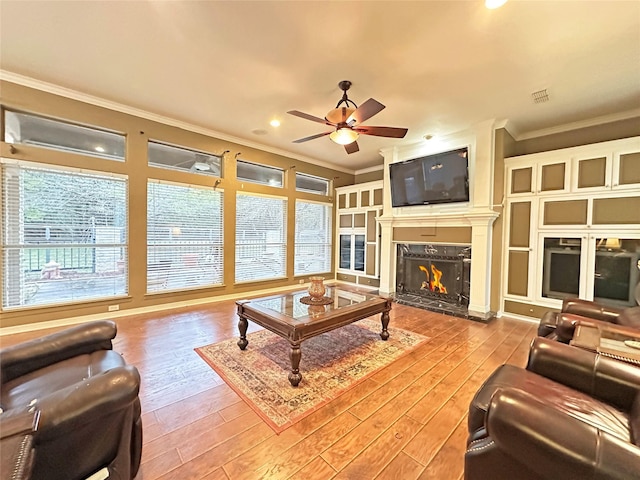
331,364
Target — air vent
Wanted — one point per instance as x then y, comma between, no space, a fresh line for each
540,96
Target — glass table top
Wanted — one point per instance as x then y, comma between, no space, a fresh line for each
289,303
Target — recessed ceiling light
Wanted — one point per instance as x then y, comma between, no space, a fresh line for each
99,149
259,131
428,137
491,4
275,122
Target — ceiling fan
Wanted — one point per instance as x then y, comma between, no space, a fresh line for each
347,119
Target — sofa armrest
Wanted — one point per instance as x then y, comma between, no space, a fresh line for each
604,378
556,445
26,357
567,323
88,401
17,422
16,443
587,308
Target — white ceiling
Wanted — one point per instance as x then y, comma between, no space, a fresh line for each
439,67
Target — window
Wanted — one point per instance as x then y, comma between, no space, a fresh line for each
254,173
313,238
64,235
261,237
175,158
311,184
184,237
28,129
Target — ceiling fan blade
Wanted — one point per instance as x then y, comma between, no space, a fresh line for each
392,132
365,111
312,137
306,116
352,147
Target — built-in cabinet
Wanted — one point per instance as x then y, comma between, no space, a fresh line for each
358,233
573,226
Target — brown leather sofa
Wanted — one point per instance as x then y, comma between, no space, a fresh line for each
86,399
571,414
574,309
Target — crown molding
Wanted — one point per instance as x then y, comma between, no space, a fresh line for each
592,122
509,126
375,168
119,107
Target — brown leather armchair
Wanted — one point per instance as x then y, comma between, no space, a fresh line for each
571,414
573,309
86,398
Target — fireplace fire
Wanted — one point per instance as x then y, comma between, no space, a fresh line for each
434,277
433,285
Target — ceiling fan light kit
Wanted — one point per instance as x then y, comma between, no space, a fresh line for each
344,136
347,119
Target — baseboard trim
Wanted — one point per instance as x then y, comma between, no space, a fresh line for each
31,327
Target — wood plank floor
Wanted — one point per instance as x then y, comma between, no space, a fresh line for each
408,421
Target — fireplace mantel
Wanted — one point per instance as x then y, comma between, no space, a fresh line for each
478,217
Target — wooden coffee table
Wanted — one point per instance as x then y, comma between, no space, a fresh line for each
286,316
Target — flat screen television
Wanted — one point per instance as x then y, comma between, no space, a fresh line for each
440,178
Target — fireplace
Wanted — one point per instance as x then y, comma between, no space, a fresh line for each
434,277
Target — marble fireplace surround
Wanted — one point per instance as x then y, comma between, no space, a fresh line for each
480,221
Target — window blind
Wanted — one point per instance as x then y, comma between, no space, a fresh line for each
184,237
312,238
64,235
261,237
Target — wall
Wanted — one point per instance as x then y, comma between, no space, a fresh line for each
138,131
629,127
368,175
503,146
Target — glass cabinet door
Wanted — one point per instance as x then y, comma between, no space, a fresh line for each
345,251
358,261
